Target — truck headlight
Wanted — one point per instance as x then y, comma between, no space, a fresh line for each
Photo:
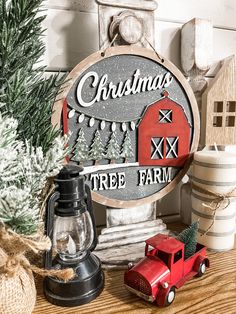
130,265
165,285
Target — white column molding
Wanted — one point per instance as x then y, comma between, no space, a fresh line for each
196,53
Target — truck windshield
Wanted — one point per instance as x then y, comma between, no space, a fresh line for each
163,256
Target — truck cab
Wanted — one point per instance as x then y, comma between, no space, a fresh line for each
170,251
163,269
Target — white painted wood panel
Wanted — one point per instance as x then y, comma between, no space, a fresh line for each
78,5
71,36
221,12
168,44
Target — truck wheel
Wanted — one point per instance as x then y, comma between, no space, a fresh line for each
170,296
201,269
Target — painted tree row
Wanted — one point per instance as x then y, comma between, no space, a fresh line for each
97,151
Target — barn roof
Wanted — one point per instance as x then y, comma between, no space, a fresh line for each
165,95
165,243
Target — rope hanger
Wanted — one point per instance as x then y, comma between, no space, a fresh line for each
103,53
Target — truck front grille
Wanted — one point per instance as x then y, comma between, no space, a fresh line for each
139,283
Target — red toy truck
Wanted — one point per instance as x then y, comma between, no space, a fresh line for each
164,269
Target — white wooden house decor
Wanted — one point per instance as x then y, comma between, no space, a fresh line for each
219,107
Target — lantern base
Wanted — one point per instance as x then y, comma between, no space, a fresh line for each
84,288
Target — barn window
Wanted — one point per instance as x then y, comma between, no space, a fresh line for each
157,148
172,147
165,116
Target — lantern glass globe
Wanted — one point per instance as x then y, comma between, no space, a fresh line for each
73,236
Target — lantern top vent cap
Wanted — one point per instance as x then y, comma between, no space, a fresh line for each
69,172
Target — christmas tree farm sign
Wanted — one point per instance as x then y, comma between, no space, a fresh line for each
134,124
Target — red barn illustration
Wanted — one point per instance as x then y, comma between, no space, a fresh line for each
163,134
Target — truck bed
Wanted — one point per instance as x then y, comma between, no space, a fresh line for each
189,262
188,271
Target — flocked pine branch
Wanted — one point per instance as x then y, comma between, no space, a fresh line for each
23,174
27,94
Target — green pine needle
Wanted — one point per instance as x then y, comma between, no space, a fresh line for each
25,92
189,238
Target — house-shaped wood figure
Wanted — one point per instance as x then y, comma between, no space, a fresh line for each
163,134
218,125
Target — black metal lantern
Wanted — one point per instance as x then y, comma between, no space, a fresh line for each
71,226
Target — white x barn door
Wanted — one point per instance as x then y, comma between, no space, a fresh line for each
169,143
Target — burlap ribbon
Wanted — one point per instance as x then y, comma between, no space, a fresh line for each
13,248
217,201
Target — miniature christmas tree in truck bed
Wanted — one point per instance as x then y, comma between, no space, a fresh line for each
189,238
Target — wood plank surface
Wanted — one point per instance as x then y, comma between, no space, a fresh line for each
215,292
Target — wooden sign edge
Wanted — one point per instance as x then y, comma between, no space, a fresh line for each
146,53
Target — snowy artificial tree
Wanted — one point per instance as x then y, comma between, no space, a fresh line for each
113,149
24,170
23,174
26,96
127,151
96,150
31,150
81,150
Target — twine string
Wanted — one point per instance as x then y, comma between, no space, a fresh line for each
103,53
104,50
153,48
12,255
216,203
43,206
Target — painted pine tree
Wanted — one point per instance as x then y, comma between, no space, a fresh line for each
96,151
189,238
113,148
81,151
127,150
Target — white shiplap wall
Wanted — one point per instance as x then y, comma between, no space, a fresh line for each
72,34
73,29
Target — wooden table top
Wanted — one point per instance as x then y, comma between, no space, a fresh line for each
214,293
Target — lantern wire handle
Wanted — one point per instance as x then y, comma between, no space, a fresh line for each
49,226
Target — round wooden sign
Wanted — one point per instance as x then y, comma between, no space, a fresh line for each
134,124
